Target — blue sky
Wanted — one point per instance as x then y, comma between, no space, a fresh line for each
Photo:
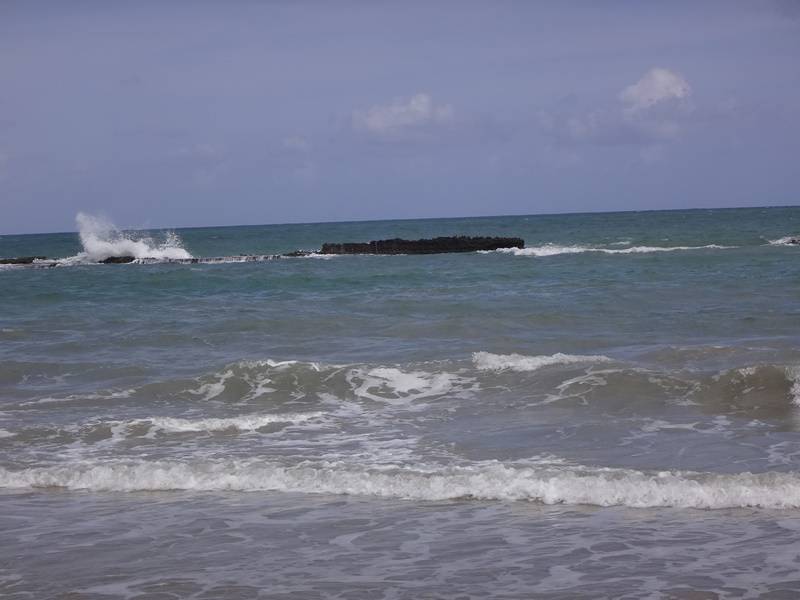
180,114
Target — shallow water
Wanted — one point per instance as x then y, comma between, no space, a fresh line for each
612,411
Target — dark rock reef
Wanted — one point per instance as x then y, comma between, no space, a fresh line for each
436,245
117,260
426,246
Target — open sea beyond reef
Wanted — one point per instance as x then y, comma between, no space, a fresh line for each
611,411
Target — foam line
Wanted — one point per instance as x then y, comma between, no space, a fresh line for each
555,484
555,249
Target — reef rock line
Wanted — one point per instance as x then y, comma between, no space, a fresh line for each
426,246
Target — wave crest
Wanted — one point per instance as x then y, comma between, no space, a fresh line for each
547,484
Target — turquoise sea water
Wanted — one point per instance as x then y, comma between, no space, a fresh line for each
611,411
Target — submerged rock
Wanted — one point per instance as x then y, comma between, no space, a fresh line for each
425,246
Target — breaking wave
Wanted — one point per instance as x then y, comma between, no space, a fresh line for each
755,388
758,390
789,240
554,249
101,239
487,361
489,480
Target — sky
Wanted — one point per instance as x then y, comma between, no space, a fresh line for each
168,113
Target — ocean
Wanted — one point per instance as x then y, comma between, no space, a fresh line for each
611,411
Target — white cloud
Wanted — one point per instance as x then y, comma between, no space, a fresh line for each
403,118
655,87
651,111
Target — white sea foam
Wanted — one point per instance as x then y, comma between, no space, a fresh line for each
101,240
554,484
284,364
224,260
258,375
109,395
789,240
487,361
658,425
793,373
646,249
393,386
212,389
554,249
242,423
6,434
546,250
719,425
209,260
588,379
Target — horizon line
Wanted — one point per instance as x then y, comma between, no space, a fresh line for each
371,220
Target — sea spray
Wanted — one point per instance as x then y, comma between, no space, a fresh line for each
101,239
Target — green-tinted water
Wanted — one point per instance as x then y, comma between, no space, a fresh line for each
378,406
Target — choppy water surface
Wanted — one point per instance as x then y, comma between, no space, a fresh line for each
611,411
